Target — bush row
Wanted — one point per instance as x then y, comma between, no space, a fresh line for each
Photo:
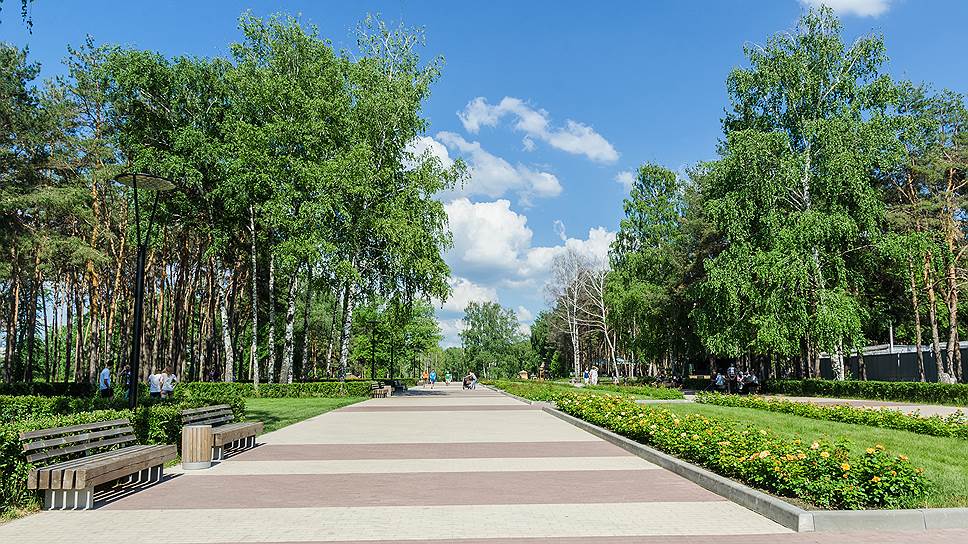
955,394
955,425
356,388
821,473
651,391
45,389
546,391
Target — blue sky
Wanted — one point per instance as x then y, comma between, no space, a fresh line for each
549,102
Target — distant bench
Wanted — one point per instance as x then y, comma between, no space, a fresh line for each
70,482
225,434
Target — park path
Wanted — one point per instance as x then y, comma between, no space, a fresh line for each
442,466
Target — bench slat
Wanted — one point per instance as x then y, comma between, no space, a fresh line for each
205,409
58,452
57,468
57,431
160,456
72,439
99,472
62,477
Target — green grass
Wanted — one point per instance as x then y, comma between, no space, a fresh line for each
945,460
278,413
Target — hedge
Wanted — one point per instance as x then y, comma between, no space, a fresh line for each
955,425
546,391
655,392
955,394
356,388
823,474
45,389
13,408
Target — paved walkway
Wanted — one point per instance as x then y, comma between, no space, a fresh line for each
442,466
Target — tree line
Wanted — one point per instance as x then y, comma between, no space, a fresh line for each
832,219
301,214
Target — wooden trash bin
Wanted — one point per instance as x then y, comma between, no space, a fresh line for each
196,447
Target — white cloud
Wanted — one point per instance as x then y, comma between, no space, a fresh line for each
860,8
464,291
487,235
559,227
626,178
574,137
527,143
492,176
423,144
450,330
524,315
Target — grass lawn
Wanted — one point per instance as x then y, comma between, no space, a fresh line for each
945,460
278,413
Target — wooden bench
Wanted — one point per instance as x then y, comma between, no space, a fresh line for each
225,433
379,391
87,456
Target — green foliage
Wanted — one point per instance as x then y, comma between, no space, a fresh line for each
545,391
955,425
931,393
386,329
221,390
823,474
489,337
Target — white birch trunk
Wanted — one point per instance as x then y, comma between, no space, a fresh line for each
254,348
285,373
229,374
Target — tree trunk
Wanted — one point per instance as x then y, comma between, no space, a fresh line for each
254,348
285,373
915,307
332,335
271,363
344,339
305,344
228,374
952,296
933,316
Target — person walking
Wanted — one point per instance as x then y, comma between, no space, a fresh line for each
731,378
593,376
425,378
433,378
584,377
154,386
104,383
448,377
168,381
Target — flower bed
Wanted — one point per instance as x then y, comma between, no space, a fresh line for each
955,425
821,473
953,394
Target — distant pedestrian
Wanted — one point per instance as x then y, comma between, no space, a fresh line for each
720,382
731,379
433,378
448,377
168,381
593,376
425,378
154,386
585,377
104,383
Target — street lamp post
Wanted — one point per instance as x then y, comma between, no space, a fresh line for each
155,184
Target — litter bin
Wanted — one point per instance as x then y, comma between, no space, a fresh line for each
196,447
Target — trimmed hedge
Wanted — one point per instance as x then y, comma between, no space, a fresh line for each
546,391
45,389
652,391
823,473
955,425
355,388
955,394
14,408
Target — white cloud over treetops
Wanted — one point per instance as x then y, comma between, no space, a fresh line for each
860,8
574,137
626,178
492,176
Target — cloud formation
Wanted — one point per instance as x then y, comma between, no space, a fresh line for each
574,137
492,176
464,291
860,8
626,178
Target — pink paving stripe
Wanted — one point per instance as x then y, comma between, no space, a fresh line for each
926,537
456,408
409,489
457,450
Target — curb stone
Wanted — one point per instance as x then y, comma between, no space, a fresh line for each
778,510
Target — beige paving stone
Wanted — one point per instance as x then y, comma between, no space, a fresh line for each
409,427
384,523
390,466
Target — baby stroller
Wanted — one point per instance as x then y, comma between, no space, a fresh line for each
467,382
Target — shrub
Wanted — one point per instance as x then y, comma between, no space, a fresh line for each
546,391
353,388
955,394
821,473
955,425
45,389
655,392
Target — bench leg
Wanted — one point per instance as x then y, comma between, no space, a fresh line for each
156,472
69,499
217,453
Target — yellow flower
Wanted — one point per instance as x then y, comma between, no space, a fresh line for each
763,432
824,454
845,475
764,454
876,479
878,446
845,466
870,450
893,473
801,456
695,437
903,457
752,457
814,446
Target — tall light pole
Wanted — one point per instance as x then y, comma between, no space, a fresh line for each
155,184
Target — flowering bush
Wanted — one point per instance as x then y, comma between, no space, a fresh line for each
955,425
819,472
545,391
954,394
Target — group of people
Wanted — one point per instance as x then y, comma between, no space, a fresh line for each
160,385
733,381
429,378
590,376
